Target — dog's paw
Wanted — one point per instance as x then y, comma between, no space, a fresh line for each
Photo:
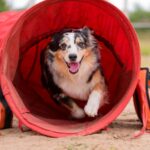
92,107
78,113
91,110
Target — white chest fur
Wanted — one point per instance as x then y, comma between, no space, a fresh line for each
76,88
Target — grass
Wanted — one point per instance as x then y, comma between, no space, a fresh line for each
144,39
145,61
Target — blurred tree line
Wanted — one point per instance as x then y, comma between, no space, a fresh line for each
3,5
139,14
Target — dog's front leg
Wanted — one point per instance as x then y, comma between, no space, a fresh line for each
68,103
96,99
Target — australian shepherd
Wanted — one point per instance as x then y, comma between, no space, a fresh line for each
71,70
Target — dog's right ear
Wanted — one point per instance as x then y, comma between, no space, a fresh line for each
52,46
54,43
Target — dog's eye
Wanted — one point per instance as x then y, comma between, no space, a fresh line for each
63,46
81,44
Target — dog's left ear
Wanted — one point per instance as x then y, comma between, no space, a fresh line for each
86,31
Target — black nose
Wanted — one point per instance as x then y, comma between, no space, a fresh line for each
72,57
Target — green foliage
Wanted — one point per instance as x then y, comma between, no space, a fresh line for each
139,15
3,6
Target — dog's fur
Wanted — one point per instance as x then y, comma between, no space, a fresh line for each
71,70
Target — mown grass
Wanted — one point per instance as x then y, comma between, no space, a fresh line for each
144,39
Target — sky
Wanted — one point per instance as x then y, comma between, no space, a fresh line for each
131,4
17,4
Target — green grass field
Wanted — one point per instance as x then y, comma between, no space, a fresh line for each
144,37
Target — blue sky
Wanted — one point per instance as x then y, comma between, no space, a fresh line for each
119,3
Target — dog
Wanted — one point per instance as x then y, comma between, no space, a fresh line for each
71,70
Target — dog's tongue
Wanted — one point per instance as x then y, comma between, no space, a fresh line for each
74,67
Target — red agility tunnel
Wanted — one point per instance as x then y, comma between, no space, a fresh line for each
23,35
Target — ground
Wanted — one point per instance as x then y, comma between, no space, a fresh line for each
118,136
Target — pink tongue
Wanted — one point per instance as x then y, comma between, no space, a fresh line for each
74,67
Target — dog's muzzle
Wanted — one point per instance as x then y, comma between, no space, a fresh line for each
74,66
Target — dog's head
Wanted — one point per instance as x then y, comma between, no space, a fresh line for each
73,46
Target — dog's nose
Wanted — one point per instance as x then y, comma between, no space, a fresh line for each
72,57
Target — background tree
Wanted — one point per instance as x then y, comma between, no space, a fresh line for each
139,15
3,6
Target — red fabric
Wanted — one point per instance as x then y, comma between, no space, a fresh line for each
141,100
20,69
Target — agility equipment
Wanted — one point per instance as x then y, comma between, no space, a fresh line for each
24,34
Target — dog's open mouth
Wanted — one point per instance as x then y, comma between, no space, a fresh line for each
73,67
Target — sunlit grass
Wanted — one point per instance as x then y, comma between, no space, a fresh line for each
145,47
145,61
144,39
